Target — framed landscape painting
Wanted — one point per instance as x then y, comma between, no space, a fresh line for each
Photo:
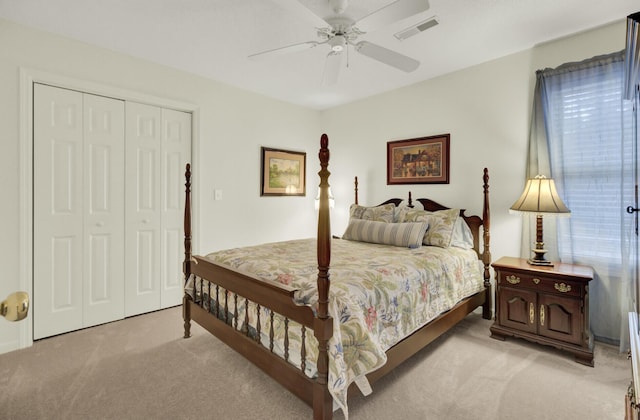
283,172
422,160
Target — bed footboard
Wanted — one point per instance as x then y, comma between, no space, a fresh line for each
220,302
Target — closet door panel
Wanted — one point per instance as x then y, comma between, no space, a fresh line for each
104,203
108,203
57,211
143,208
176,151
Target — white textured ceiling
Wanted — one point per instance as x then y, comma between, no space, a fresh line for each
212,38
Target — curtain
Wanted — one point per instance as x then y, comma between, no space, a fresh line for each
538,164
587,137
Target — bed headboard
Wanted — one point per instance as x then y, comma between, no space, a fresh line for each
474,222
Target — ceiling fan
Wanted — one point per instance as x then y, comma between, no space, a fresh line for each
342,31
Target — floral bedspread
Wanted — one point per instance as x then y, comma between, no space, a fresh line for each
379,295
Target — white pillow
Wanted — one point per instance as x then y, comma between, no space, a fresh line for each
397,234
462,236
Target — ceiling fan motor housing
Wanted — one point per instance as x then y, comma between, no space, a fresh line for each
340,32
339,6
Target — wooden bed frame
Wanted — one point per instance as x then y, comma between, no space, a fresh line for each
279,299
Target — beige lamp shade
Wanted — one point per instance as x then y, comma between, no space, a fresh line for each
540,196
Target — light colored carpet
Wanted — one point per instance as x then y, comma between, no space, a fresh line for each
141,368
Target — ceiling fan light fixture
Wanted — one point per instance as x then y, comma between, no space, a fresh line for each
338,43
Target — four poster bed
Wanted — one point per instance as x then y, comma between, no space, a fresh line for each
326,328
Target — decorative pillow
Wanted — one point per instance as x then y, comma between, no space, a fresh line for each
462,236
441,224
397,212
382,213
396,234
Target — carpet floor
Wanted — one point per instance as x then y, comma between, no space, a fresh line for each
142,368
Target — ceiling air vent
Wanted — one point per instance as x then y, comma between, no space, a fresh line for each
416,29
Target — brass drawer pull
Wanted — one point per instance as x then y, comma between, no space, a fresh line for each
536,281
562,288
532,313
542,315
513,279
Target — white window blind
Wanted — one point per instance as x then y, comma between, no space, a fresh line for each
590,158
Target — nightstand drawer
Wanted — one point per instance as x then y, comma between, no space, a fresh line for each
539,283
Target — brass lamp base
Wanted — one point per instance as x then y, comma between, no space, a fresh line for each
539,258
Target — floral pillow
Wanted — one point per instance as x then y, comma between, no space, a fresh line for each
441,224
382,213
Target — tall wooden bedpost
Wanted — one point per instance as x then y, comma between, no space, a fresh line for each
355,183
323,328
186,265
486,251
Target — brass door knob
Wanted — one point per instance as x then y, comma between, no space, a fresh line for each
15,307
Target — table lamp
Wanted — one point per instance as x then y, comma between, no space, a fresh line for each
540,197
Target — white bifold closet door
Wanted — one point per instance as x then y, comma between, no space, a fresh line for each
158,146
108,202
78,210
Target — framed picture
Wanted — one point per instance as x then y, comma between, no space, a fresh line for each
418,161
283,172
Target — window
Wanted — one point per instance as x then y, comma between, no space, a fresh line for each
591,160
588,157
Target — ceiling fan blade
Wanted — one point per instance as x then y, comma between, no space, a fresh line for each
284,50
394,12
301,12
384,55
332,67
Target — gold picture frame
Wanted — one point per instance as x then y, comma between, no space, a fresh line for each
282,172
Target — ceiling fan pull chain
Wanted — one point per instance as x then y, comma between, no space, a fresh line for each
347,57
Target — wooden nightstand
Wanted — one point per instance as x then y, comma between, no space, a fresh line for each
546,305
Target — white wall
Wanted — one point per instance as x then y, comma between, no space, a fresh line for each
485,108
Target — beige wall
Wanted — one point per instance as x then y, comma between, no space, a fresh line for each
485,108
